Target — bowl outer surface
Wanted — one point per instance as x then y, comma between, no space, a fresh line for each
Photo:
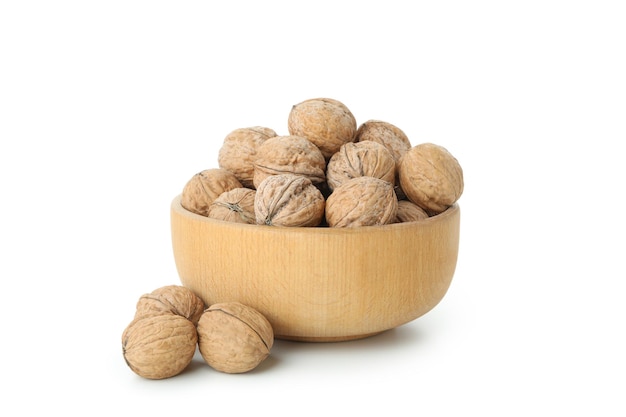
319,284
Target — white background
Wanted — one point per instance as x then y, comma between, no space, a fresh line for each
108,108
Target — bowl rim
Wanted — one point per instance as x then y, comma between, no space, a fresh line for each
450,211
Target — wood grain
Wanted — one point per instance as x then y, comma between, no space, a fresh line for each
319,284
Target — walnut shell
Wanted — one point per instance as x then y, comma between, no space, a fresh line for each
233,337
236,205
362,201
238,151
431,177
392,137
174,299
204,187
159,346
409,212
360,159
288,200
289,154
387,134
326,122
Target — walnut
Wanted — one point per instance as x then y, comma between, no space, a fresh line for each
360,159
233,337
204,187
238,151
326,122
288,200
236,205
159,346
391,136
289,154
174,299
409,212
362,201
431,177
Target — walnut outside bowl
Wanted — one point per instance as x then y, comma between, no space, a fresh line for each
319,284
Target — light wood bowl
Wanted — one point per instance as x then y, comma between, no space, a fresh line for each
319,284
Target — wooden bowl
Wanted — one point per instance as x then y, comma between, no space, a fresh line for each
319,284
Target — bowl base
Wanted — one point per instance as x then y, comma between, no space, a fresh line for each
324,339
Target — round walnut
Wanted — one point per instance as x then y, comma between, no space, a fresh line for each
289,154
204,187
238,151
288,200
326,122
362,201
409,212
391,136
159,346
174,299
361,159
431,177
236,205
233,337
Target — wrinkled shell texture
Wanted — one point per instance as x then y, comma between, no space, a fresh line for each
174,299
325,145
236,205
204,187
431,177
362,201
159,346
409,212
360,159
288,200
289,154
326,122
239,149
233,337
387,134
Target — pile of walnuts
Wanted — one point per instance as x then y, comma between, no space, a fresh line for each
327,172
171,321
